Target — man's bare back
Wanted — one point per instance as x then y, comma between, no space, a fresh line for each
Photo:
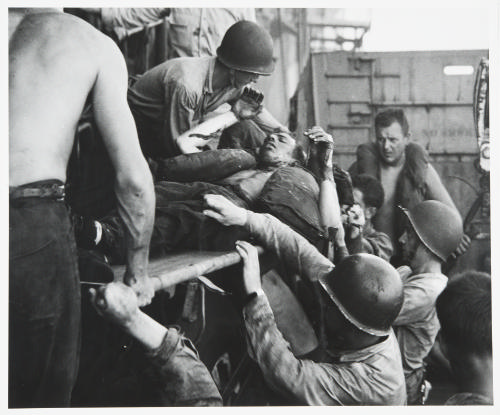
56,62
53,65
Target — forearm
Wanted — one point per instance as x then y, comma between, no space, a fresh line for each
267,122
136,204
295,251
329,208
188,144
214,124
146,330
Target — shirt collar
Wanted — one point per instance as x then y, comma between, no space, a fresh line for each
347,356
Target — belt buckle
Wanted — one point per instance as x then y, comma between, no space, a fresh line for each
54,190
59,191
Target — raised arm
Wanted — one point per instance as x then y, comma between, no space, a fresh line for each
321,154
307,382
134,185
268,123
247,106
173,355
295,251
197,137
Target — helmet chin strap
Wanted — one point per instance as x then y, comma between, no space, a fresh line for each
232,77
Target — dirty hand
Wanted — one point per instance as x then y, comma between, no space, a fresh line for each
249,104
321,151
356,216
116,302
355,219
224,211
143,287
251,268
463,246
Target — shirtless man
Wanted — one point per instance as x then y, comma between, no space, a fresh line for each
56,61
404,170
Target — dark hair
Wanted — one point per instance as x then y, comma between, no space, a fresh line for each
464,311
387,117
373,192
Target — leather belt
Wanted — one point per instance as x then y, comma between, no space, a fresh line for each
49,191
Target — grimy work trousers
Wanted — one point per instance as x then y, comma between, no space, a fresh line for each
44,303
179,222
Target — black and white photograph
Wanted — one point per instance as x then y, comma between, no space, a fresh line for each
283,206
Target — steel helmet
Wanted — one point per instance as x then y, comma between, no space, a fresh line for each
367,290
247,47
438,226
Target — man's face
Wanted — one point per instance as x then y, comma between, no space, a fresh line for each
240,78
409,244
277,148
391,143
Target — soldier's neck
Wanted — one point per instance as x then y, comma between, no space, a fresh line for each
220,78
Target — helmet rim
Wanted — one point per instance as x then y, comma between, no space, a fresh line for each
358,324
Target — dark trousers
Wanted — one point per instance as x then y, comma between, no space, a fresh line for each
179,222
44,304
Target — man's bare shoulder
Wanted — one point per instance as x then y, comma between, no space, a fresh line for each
60,32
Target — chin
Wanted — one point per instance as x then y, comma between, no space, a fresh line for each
267,158
388,160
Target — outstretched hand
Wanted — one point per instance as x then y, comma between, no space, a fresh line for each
116,302
224,211
251,268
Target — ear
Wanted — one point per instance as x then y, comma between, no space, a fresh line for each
370,212
408,136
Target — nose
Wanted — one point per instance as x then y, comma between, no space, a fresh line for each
387,145
272,137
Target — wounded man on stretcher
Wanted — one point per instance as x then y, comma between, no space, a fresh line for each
274,182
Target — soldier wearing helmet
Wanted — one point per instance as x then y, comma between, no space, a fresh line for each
361,363
433,231
175,96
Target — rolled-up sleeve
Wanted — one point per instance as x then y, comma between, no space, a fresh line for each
185,380
293,250
306,381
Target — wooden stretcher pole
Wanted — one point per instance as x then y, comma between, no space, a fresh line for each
170,271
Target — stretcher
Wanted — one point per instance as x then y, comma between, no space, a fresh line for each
184,266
